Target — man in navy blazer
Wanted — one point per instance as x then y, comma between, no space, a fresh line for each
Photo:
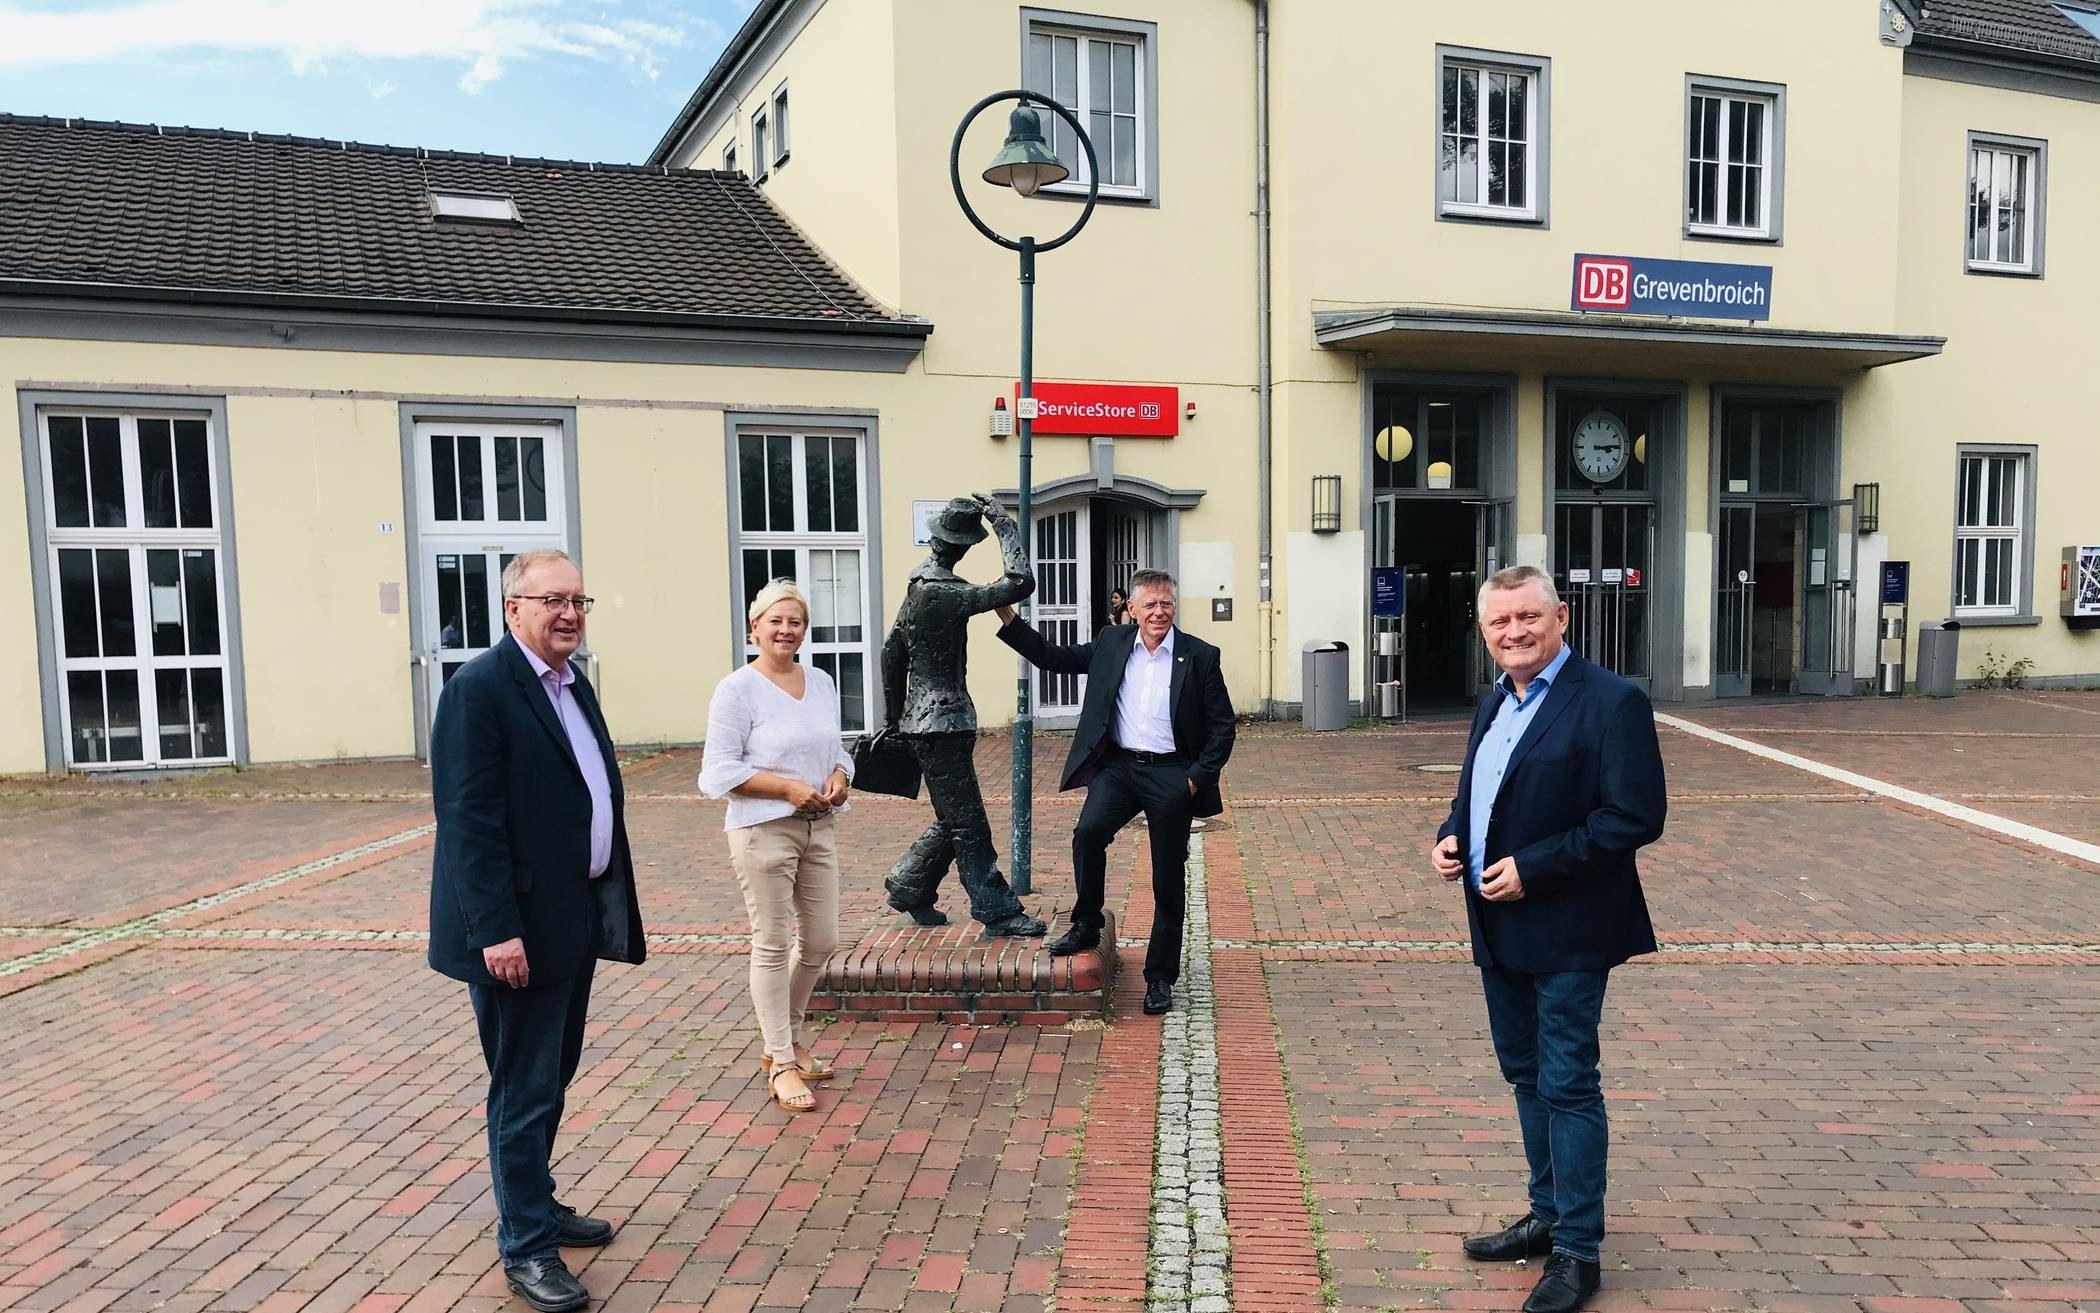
531,884
1154,733
1562,784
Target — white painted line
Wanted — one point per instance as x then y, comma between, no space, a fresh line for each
1982,820
2063,706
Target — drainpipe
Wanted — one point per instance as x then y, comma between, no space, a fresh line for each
1264,398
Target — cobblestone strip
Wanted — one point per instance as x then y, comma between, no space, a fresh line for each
391,936
145,925
1190,1254
1893,948
1444,799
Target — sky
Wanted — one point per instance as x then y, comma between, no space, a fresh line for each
559,79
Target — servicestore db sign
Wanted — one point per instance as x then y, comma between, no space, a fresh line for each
1631,285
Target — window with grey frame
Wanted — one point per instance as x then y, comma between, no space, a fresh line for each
1489,138
729,157
761,164
802,515
2004,210
780,125
1731,162
1991,533
1102,77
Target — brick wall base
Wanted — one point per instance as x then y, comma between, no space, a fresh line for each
952,973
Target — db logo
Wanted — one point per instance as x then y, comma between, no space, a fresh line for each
1148,410
1603,284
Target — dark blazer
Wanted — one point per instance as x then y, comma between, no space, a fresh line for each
514,829
1583,792
1200,706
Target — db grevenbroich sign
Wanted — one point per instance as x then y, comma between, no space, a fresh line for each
1630,285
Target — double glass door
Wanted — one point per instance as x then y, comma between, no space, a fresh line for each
133,530
1786,603
1602,557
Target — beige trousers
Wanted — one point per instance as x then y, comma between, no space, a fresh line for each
789,870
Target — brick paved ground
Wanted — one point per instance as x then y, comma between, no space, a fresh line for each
1865,1077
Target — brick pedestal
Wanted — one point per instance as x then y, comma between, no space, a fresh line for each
952,973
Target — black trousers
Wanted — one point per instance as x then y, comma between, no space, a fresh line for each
1123,787
533,1040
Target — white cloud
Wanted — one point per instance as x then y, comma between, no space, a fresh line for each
382,89
480,35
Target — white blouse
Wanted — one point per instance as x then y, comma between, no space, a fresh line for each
753,725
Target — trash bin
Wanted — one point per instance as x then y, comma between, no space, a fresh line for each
1937,657
1326,695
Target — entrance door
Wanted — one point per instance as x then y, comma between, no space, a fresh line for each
1602,556
1121,549
484,493
1490,518
1828,599
1735,600
1063,607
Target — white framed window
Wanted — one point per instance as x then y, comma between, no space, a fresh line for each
1993,532
780,125
1490,135
760,162
729,156
1734,156
133,536
2006,194
1104,72
803,515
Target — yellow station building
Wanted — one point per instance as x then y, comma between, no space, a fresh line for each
1712,311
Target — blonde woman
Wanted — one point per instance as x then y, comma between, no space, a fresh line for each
773,750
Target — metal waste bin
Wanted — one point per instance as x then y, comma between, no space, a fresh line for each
1326,675
1937,657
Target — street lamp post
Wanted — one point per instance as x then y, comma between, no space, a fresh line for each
1025,163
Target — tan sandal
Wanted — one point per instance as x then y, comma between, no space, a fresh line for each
804,1102
812,1068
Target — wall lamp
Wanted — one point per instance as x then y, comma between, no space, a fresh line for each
1327,503
1866,507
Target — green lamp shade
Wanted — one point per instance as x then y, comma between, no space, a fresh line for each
1025,162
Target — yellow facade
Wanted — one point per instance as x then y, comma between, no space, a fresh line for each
1164,290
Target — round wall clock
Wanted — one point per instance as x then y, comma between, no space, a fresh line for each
1600,446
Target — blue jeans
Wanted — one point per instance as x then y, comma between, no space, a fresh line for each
533,1041
1545,1029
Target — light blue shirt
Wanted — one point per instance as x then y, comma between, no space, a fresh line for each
1513,715
583,745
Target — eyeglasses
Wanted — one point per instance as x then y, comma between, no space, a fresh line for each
558,604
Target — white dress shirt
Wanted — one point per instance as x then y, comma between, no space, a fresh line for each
1144,710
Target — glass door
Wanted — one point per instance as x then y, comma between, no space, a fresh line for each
1828,598
1063,610
1602,555
1735,600
133,526
484,493
1490,520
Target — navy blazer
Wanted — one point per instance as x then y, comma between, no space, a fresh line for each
514,829
1583,792
1203,725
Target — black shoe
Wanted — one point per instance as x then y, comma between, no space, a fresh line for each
1527,1237
1567,1286
1076,940
928,915
1159,997
547,1284
1018,926
572,1230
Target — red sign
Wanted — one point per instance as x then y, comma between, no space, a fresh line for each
1633,577
1603,284
1106,409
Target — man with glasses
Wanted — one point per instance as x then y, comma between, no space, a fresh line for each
532,882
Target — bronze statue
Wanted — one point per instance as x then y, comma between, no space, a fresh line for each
929,707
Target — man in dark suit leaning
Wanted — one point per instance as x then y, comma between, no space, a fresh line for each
1154,733
1563,782
532,883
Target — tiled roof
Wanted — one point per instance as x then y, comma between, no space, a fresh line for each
105,207
2031,25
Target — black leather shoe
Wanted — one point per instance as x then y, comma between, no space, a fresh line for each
575,1231
1527,1237
1159,997
547,1284
1018,926
1567,1286
1076,940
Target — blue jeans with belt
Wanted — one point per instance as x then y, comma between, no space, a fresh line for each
1545,1029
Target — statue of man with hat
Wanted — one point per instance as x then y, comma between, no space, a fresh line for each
929,706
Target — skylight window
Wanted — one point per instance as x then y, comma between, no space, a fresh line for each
473,207
2085,15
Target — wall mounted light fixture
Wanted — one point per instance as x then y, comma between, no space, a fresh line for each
1327,503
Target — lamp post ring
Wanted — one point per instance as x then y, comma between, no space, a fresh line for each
1086,143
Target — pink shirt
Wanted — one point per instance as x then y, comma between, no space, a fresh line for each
583,745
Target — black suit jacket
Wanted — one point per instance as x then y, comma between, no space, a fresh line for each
1200,706
514,829
1584,791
